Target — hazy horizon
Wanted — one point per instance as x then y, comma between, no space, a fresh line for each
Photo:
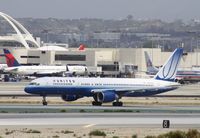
169,10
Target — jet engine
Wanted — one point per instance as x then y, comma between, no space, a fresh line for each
70,97
107,96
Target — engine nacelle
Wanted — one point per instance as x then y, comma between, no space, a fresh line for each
105,97
69,97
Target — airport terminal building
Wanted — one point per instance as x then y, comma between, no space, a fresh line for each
110,61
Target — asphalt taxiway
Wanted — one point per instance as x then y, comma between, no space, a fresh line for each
101,119
179,116
106,107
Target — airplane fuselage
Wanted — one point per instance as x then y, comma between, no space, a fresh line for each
88,86
43,69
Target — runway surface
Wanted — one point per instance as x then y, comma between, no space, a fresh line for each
101,119
187,117
135,107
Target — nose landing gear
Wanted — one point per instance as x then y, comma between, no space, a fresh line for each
44,102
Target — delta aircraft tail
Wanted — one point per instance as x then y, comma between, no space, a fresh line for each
10,59
169,69
151,69
81,47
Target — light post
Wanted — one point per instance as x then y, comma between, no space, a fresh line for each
197,52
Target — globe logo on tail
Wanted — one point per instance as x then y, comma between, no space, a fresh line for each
169,70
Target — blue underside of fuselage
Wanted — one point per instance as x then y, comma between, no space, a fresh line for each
87,91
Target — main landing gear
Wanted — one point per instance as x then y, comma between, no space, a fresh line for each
96,103
44,102
117,103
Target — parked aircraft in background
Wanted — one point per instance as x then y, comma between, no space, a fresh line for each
105,90
182,75
81,47
42,70
151,69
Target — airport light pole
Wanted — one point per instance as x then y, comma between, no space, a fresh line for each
46,32
197,51
195,36
152,49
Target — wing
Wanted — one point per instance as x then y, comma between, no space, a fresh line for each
135,91
48,72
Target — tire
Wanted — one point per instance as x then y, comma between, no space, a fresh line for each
117,103
94,103
44,103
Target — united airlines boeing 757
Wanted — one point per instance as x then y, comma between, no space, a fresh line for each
105,90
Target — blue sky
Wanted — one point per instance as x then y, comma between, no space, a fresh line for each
167,10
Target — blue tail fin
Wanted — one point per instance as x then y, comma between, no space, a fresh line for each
10,59
169,69
151,69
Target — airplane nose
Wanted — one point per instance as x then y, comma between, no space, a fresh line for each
28,89
32,90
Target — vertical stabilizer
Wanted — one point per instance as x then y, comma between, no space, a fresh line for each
81,47
10,59
169,69
151,69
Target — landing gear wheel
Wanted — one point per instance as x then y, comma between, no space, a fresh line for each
44,102
181,82
117,103
94,103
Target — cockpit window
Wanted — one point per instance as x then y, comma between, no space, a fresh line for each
34,83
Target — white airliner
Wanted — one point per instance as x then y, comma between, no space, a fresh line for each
108,89
42,70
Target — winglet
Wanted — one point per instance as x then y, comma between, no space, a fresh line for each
169,69
10,59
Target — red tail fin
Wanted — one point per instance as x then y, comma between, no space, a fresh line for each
81,47
10,59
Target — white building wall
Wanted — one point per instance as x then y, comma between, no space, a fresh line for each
125,56
104,56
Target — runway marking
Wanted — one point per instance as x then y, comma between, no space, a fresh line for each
90,125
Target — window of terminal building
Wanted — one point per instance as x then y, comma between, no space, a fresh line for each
43,52
29,56
113,67
10,44
70,57
31,45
